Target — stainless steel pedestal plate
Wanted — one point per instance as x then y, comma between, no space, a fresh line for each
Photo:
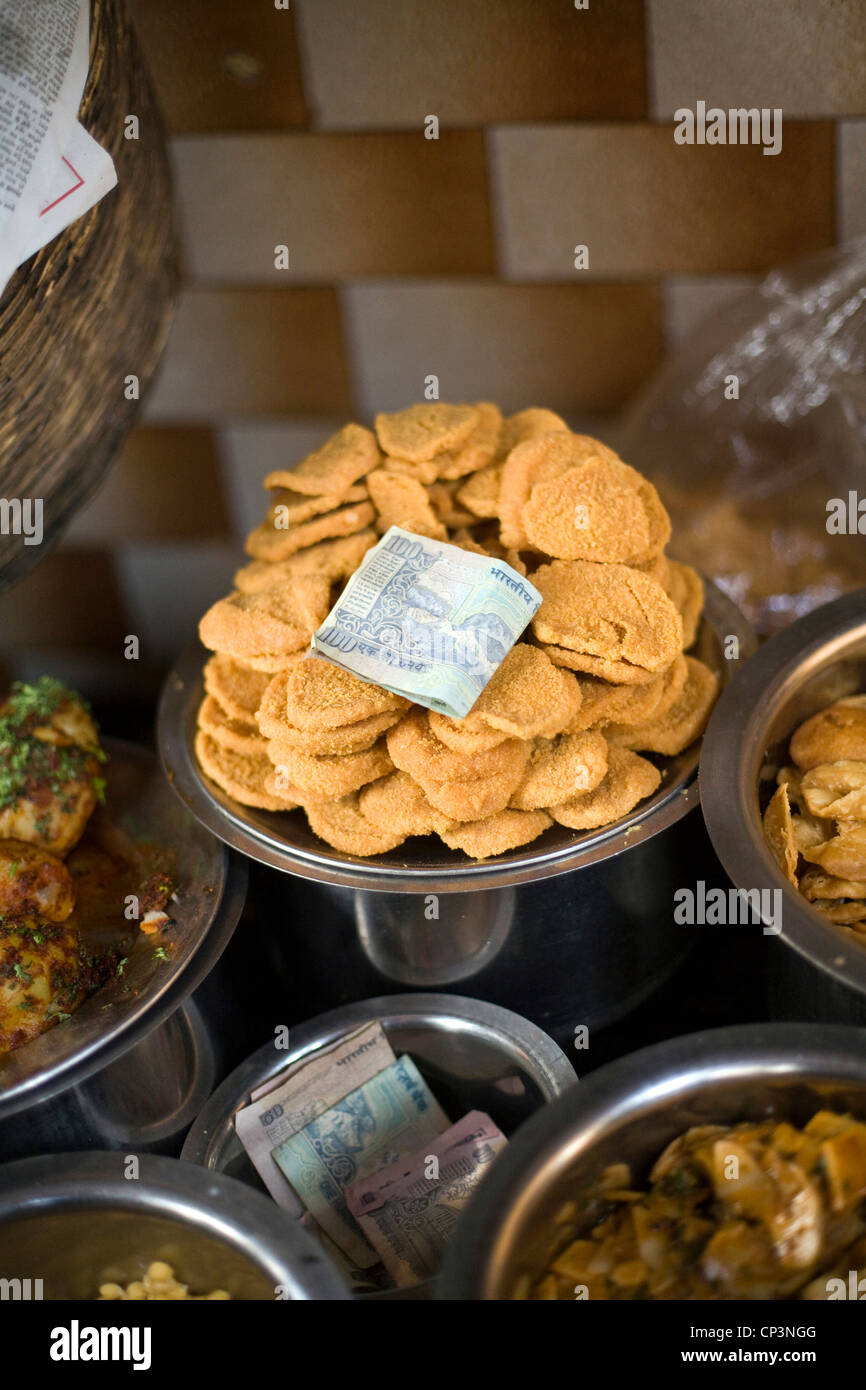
575,929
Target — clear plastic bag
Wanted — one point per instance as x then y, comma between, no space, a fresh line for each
755,431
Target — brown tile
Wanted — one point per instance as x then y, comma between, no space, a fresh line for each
645,205
378,65
852,179
71,598
807,57
343,204
220,65
689,299
574,348
252,352
165,483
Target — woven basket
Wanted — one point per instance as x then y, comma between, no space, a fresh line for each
90,308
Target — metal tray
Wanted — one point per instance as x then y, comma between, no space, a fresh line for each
424,865
212,888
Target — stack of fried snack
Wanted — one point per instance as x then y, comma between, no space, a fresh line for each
815,823
598,679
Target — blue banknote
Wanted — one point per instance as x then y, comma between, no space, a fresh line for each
391,1114
427,620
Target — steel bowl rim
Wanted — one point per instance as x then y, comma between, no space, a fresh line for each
551,1068
234,1212
729,784
183,686
229,896
653,1077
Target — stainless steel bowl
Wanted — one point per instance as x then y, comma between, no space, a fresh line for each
77,1062
424,865
76,1221
628,1112
816,660
473,1055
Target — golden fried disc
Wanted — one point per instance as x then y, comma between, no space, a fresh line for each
539,459
320,695
334,560
398,803
685,588
468,736
608,611
843,856
415,749
237,688
403,501
422,431
329,777
268,542
645,704
478,450
480,493
341,824
246,625
242,775
608,672
481,839
527,696
527,424
335,467
240,735
591,512
629,778
560,769
686,718
836,790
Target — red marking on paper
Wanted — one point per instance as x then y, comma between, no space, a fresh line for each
73,189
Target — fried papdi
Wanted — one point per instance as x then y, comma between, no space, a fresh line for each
559,769
591,512
422,431
237,688
320,695
470,735
527,696
328,777
480,493
415,749
685,588
245,625
241,735
397,802
331,470
271,543
403,501
481,839
682,722
342,825
478,449
629,778
611,612
539,459
527,424
242,776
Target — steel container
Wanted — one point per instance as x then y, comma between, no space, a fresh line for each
132,1065
474,1056
573,929
77,1220
814,970
628,1112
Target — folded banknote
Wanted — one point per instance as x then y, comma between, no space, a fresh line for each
390,1114
408,1211
427,620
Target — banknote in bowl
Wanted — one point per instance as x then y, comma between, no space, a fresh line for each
427,620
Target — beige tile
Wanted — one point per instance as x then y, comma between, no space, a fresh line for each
165,483
221,65
251,450
71,598
851,153
252,352
690,299
645,205
807,57
378,65
343,205
572,348
168,587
